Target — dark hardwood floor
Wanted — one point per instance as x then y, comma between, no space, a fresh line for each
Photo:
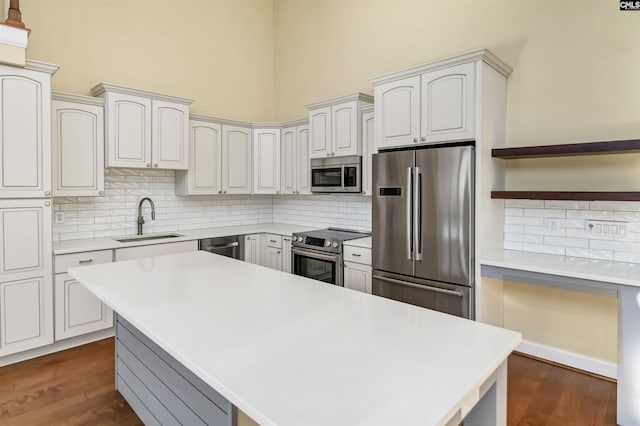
75,387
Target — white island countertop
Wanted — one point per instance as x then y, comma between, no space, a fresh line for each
288,350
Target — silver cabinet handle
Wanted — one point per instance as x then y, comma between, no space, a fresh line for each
47,203
421,287
272,241
415,139
423,139
100,192
148,164
356,254
287,239
47,193
83,262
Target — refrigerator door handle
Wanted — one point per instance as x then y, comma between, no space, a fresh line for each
421,287
417,214
409,197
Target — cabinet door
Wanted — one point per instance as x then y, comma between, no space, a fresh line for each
302,163
266,161
25,237
128,131
286,254
357,277
397,113
288,165
170,135
78,149
204,176
236,160
320,133
77,310
448,98
253,248
273,258
25,140
26,308
345,123
368,149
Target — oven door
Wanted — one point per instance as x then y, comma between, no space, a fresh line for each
325,267
448,298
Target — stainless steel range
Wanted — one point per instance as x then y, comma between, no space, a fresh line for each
318,254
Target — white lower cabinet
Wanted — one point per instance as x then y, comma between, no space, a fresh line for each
273,258
253,248
77,310
357,268
286,254
26,288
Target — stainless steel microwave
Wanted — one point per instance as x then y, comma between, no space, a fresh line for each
336,174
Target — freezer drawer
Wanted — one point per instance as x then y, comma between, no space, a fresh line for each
448,298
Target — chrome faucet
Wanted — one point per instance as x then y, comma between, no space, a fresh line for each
140,217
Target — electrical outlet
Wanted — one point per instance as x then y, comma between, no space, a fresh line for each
603,227
59,217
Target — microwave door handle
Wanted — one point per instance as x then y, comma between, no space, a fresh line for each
417,214
408,194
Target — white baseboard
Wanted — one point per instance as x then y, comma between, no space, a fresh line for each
572,359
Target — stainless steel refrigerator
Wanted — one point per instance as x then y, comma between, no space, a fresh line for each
423,233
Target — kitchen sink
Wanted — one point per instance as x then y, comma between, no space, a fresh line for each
146,237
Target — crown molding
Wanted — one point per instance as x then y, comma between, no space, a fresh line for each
102,88
217,120
70,97
295,123
484,55
41,66
366,108
266,125
363,97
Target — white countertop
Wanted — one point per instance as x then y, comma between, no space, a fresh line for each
360,242
575,267
288,350
76,246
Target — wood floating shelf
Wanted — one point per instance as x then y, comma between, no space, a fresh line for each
564,195
564,150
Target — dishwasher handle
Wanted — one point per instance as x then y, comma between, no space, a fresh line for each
222,246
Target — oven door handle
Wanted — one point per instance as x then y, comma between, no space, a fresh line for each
421,287
329,257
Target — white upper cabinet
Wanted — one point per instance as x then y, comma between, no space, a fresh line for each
398,112
320,133
236,160
25,140
368,148
170,135
335,126
144,129
78,145
266,161
431,103
295,160
204,176
448,104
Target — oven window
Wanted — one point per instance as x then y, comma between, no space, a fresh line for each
317,269
350,177
326,177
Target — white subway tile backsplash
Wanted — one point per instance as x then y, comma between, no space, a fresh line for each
116,213
559,227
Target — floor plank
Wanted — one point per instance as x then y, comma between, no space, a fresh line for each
76,387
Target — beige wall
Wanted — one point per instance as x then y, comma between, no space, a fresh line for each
576,68
218,52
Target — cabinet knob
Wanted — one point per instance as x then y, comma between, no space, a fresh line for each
100,192
220,192
328,154
155,165
148,164
225,191
277,192
47,193
423,139
47,203
278,251
415,139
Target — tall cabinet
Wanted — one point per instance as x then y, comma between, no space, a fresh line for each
295,158
26,288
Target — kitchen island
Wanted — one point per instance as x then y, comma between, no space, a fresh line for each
287,350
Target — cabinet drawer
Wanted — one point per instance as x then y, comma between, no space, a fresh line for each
66,261
274,241
357,254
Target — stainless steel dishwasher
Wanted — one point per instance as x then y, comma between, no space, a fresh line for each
226,246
